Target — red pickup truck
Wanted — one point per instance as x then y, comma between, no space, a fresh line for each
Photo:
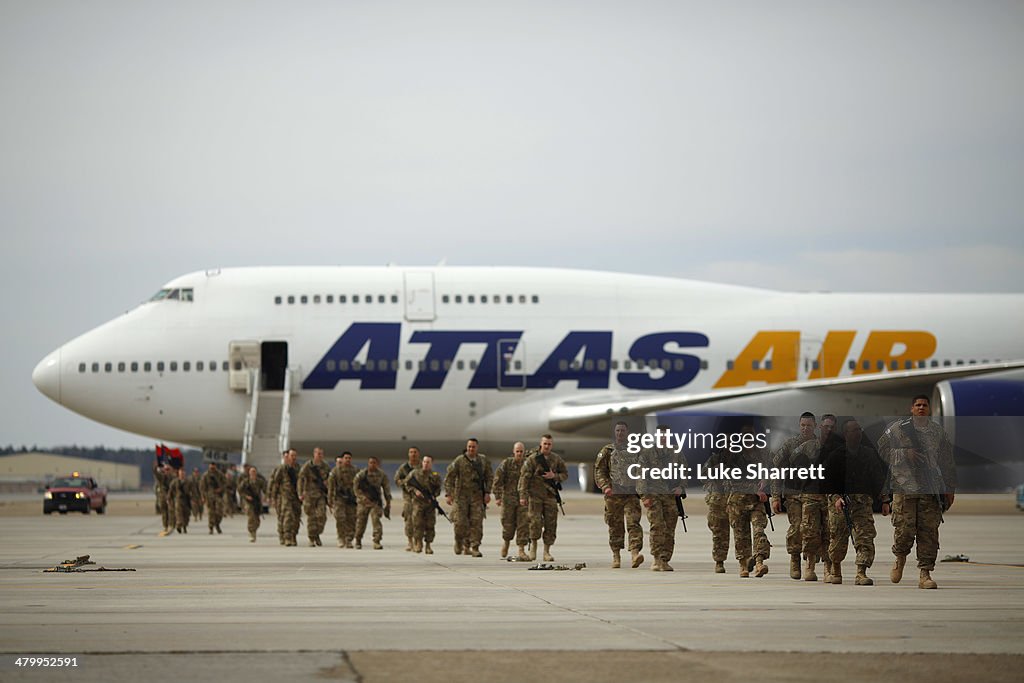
76,493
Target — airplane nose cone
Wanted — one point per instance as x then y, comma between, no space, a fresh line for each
46,376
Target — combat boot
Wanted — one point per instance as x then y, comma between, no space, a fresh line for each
809,574
666,567
533,550
616,561
252,537
638,559
522,554
896,574
318,541
341,543
794,566
719,567
211,530
475,551
408,544
427,549
218,528
359,544
504,548
348,544
744,572
760,568
547,553
862,577
417,546
458,548
828,571
837,573
656,565
926,580
377,545
312,542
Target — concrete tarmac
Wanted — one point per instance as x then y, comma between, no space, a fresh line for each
218,607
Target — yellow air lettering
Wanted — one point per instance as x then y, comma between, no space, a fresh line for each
780,347
833,353
882,345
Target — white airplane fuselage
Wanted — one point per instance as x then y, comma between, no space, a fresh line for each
386,357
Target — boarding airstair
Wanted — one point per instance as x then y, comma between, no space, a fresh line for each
267,424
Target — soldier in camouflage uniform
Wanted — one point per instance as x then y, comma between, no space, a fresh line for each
745,506
658,496
537,489
374,495
717,498
422,512
313,494
286,485
515,518
272,494
922,478
251,491
162,478
853,474
467,488
620,499
213,485
814,505
342,499
230,485
197,502
181,492
788,493
406,468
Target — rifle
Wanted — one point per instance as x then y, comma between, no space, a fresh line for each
680,510
318,479
907,426
411,481
768,513
373,493
478,467
556,486
849,518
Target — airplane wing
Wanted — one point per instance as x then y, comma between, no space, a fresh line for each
572,416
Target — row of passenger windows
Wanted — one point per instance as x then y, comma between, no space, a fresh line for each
160,366
292,299
588,365
492,299
435,365
342,298
876,365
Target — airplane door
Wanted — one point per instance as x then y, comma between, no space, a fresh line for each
511,362
810,364
273,364
419,295
243,357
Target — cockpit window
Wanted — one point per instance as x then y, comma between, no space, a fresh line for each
176,294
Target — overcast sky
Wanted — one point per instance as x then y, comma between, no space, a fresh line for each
786,145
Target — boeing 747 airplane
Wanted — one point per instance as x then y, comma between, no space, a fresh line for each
375,359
